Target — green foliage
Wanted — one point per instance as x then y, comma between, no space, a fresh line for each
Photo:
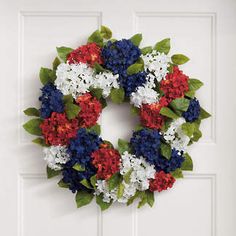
123,146
177,174
143,201
110,145
180,104
146,50
40,141
103,205
127,175
62,184
170,68
83,198
163,46
135,68
194,84
71,110
56,63
67,99
96,129
52,173
165,111
114,181
188,163
136,195
63,52
150,198
188,128
98,68
105,32
86,183
166,150
103,102
190,94
134,110
196,135
78,167
47,75
136,39
96,37
120,190
31,111
96,92
33,126
179,59
204,114
117,95
93,180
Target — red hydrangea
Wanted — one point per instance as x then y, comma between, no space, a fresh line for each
107,162
161,182
57,129
150,114
89,53
90,110
175,84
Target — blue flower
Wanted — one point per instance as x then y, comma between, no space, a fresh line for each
80,149
172,164
146,143
193,111
119,55
51,99
131,82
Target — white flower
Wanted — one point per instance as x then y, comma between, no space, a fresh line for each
55,156
106,81
175,135
74,79
141,172
157,64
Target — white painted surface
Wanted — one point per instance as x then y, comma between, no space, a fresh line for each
203,204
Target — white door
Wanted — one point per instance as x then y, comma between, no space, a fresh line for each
203,203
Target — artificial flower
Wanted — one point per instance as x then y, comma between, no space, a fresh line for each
193,111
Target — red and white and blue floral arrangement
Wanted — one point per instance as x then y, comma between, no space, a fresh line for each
73,95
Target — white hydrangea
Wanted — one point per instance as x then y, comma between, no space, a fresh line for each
175,135
55,156
157,64
74,79
141,172
106,81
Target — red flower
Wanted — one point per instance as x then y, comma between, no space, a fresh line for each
89,53
150,114
175,84
161,182
57,129
90,110
107,161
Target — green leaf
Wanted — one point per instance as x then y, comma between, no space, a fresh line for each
67,99
150,198
78,167
127,175
98,68
166,150
135,110
110,145
143,200
194,84
63,52
180,104
40,141
71,110
47,75
52,173
114,181
86,183
136,39
31,111
120,190
103,205
123,146
179,59
177,174
163,46
93,180
56,63
190,94
136,195
188,129
170,68
117,95
33,126
165,111
105,32
146,50
96,129
196,135
204,114
83,198
138,127
103,102
188,163
96,37
62,184
96,92
135,68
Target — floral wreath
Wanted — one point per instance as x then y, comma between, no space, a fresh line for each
73,95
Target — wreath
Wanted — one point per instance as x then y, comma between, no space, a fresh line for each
73,95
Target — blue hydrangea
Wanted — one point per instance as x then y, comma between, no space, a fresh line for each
119,55
80,149
146,143
51,100
193,111
131,82
172,164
